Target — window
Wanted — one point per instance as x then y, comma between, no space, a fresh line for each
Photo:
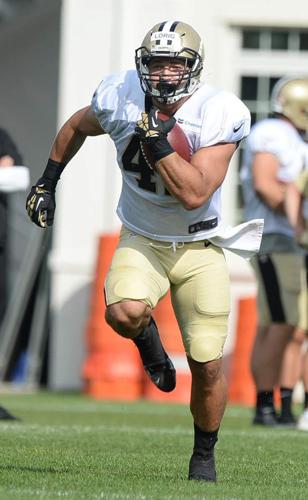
255,91
250,39
249,88
279,40
273,39
303,41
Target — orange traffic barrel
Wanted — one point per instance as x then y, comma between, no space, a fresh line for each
112,369
241,385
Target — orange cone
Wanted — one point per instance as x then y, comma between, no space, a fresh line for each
241,385
113,375
113,368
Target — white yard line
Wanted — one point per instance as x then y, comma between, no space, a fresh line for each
125,408
86,429
71,494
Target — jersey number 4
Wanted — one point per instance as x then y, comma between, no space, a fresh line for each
133,161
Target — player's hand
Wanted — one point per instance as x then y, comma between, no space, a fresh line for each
41,201
41,205
152,132
151,128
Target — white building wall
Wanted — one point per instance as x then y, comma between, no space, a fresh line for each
99,37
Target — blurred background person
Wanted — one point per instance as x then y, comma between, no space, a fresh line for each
295,362
11,179
273,158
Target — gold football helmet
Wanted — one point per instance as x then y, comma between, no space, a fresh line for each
290,99
171,39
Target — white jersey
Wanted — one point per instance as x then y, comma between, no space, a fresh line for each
208,117
281,139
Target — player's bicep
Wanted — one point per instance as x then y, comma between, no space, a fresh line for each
264,171
85,122
266,183
213,162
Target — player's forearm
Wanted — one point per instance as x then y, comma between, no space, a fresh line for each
184,181
67,143
72,135
292,204
274,196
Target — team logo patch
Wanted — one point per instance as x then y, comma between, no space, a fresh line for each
187,123
203,225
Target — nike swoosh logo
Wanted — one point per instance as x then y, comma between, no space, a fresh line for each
236,129
38,203
154,122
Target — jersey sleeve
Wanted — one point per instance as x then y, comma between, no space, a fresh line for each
225,119
267,139
115,102
274,137
104,102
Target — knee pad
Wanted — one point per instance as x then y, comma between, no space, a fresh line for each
207,344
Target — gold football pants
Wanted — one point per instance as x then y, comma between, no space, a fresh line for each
281,290
197,275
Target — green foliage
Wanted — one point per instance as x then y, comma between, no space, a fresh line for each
73,447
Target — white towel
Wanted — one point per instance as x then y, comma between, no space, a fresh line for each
243,239
14,178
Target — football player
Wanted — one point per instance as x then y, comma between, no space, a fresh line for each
274,156
295,360
172,230
9,156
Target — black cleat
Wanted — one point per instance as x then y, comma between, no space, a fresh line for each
202,468
286,420
5,415
162,375
265,416
156,361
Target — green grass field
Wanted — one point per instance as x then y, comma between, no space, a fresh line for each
69,446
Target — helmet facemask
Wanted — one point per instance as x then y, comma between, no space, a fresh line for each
170,45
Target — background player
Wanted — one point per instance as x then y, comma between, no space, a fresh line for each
274,156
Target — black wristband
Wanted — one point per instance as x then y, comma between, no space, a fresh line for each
160,149
51,174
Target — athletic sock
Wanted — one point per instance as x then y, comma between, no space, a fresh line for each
265,398
202,461
306,401
204,441
286,400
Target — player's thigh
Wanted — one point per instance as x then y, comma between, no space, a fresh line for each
303,298
202,304
264,315
135,272
279,285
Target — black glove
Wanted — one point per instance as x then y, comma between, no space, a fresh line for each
41,202
153,131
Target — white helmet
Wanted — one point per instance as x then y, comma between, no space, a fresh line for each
290,99
172,39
